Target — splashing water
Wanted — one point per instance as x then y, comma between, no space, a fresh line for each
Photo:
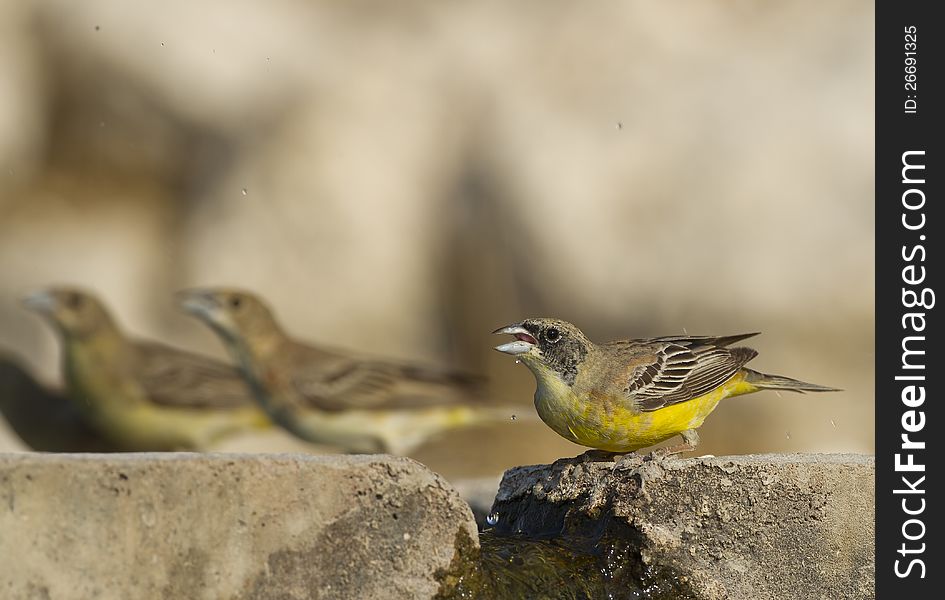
511,567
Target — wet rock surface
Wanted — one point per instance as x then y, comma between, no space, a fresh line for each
760,526
225,526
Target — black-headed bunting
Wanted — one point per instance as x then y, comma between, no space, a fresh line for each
625,395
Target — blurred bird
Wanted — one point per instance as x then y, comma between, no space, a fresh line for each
625,395
333,397
142,395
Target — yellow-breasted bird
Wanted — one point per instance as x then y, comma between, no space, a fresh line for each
325,396
629,394
142,395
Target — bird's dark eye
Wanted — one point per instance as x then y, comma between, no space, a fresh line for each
236,301
552,335
73,300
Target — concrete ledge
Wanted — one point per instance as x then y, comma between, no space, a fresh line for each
225,526
763,526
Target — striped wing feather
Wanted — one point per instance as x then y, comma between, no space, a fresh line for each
675,369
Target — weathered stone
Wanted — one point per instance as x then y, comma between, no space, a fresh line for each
225,526
761,526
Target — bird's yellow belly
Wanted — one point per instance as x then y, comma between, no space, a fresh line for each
608,424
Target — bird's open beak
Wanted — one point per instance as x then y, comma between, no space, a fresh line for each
524,341
41,302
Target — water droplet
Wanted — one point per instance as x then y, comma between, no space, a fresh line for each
268,59
406,537
97,28
833,423
518,361
512,417
243,191
685,331
493,518
619,125
162,44
787,435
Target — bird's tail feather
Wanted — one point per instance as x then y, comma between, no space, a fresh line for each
777,382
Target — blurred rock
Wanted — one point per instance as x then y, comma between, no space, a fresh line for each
23,118
43,419
220,526
760,526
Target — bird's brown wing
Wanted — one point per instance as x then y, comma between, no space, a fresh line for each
182,379
337,382
705,340
665,371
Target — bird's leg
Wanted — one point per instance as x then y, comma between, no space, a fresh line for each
627,459
595,455
690,441
592,455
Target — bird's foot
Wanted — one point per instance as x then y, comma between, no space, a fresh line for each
627,460
591,456
690,441
596,456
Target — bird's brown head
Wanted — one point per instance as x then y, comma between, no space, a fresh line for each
234,314
74,312
547,344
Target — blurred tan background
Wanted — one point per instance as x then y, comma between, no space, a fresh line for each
402,179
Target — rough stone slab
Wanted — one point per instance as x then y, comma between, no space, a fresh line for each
760,526
224,526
